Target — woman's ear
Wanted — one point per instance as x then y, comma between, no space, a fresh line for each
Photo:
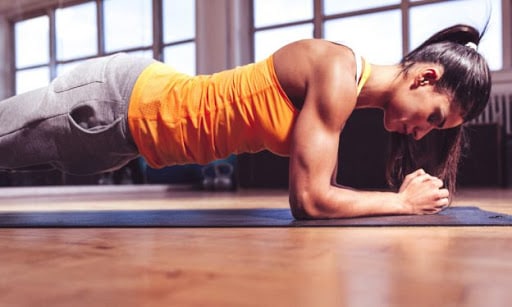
428,76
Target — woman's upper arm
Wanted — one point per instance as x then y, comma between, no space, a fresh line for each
329,102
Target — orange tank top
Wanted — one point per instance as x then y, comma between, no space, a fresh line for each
176,118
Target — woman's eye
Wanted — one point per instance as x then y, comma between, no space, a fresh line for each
436,119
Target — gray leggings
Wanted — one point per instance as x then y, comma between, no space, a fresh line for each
77,124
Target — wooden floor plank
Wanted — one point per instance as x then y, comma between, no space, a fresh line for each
399,266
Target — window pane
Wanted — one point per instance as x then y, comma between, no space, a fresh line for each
268,41
30,35
337,6
76,31
491,45
471,12
182,57
128,24
143,53
63,68
32,79
179,20
272,12
378,37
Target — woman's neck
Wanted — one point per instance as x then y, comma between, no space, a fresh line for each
379,86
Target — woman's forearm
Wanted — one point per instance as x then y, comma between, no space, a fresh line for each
420,193
341,202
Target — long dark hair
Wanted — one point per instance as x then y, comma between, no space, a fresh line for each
467,80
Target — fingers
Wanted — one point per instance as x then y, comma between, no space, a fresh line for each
443,193
441,202
421,175
433,210
424,193
412,176
443,199
434,181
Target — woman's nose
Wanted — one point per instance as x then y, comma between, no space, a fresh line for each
419,133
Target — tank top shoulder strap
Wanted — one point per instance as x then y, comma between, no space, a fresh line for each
363,71
359,66
363,68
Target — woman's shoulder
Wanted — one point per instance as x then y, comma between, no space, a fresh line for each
310,58
315,55
314,47
323,70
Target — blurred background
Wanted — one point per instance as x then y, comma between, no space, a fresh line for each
41,39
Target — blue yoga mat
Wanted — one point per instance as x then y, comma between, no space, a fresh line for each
454,216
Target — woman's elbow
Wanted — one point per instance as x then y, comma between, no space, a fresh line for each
304,206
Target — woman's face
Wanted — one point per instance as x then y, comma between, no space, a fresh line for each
416,108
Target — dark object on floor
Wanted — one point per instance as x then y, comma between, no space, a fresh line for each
455,216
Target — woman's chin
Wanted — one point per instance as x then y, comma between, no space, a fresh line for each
388,127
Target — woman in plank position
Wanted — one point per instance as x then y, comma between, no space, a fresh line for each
110,110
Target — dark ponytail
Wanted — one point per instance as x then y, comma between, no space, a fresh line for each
467,80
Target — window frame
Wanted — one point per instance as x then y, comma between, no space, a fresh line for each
157,47
319,18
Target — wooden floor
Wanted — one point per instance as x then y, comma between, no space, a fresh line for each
390,266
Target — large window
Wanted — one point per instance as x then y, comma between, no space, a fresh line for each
473,12
179,46
381,30
32,67
128,24
76,33
52,43
280,22
376,35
